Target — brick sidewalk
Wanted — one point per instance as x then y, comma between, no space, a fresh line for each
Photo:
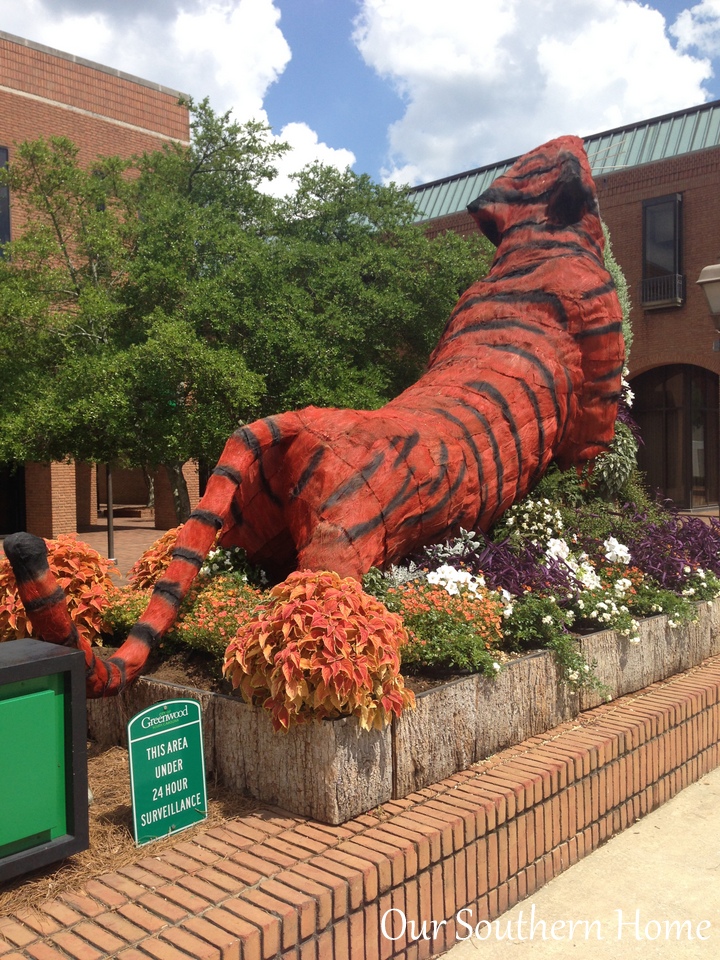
131,538
274,887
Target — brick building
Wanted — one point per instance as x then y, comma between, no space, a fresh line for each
659,190
43,93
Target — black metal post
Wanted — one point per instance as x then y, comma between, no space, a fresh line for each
110,528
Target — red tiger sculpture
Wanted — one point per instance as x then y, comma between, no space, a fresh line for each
527,370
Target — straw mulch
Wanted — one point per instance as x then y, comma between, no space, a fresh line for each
112,844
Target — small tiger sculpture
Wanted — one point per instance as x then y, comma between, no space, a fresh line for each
527,370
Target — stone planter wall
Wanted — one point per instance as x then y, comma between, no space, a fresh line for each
334,771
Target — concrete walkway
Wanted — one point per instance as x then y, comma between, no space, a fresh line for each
652,891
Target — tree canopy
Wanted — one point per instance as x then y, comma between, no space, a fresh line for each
151,304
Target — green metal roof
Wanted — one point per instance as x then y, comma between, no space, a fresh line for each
645,142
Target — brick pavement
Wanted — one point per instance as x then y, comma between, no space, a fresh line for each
132,536
272,886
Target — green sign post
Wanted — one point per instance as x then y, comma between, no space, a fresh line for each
167,769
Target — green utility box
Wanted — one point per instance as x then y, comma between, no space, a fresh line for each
43,755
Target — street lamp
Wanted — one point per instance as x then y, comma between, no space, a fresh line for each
709,280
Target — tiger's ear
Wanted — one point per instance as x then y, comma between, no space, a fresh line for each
485,211
569,198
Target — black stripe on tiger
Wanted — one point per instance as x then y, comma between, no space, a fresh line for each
230,473
610,375
42,603
170,591
530,394
570,392
189,556
547,376
502,325
600,291
497,458
518,232
145,633
355,483
409,444
602,331
307,473
435,484
512,297
367,526
441,503
470,440
491,391
256,448
207,518
563,248
236,513
119,665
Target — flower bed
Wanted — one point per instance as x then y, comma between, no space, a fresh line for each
333,771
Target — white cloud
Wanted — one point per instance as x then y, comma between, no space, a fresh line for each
485,82
306,149
699,27
229,50
236,48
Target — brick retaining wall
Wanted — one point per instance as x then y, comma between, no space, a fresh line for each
274,886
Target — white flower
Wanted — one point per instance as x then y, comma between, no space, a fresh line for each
615,551
496,667
557,550
622,585
547,619
587,576
687,570
452,580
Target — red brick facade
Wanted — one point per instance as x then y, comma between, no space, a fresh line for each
43,93
676,334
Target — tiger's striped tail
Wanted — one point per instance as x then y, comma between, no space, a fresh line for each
43,597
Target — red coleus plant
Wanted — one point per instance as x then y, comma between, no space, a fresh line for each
148,569
84,576
320,647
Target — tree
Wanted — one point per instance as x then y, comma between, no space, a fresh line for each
152,304
362,293
116,366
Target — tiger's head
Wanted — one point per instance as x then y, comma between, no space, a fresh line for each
550,188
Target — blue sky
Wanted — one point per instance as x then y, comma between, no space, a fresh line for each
409,90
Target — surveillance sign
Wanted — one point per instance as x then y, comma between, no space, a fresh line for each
167,769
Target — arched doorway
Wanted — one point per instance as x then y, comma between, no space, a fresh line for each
677,409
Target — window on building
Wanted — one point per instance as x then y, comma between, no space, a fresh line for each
662,283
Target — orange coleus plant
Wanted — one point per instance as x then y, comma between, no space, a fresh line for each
85,578
320,647
154,562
